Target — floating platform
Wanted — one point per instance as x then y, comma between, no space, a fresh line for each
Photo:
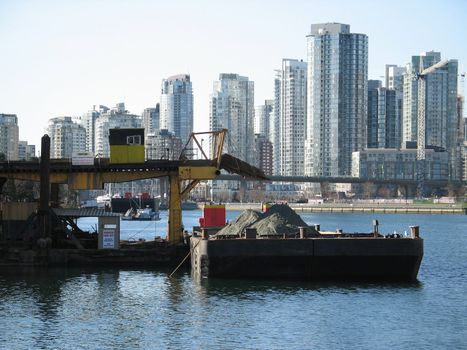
146,254
375,258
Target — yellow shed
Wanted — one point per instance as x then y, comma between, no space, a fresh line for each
126,145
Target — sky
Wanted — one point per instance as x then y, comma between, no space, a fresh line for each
59,58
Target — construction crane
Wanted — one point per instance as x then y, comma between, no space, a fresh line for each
421,121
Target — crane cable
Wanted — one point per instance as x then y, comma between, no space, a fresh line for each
186,257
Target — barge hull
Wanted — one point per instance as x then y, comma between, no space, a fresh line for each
314,259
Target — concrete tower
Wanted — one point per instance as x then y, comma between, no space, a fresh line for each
337,98
232,107
293,117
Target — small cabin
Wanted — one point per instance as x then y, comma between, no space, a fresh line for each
126,145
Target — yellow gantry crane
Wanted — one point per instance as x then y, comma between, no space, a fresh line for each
184,174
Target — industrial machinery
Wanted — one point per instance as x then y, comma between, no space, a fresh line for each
126,145
184,174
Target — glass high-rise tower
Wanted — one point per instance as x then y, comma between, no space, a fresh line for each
232,108
336,98
176,107
293,117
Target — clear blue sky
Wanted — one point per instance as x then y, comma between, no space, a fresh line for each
61,57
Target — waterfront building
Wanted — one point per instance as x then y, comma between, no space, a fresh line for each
117,117
151,120
26,151
163,144
66,137
88,121
275,123
293,117
337,98
382,122
176,107
9,136
463,160
441,115
410,101
263,151
394,164
395,81
232,108
263,116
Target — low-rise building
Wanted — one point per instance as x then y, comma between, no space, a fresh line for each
395,164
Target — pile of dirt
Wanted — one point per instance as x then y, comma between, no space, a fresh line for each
280,219
246,219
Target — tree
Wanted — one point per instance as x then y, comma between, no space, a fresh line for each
369,190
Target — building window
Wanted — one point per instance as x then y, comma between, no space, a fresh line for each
133,140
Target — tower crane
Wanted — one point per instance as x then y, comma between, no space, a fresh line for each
421,120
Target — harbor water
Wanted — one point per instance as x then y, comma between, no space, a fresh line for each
85,308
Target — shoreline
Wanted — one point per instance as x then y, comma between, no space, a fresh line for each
361,208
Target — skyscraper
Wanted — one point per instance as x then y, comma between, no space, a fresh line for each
232,107
88,121
395,81
441,115
66,137
176,108
9,136
275,125
382,123
151,120
337,98
293,117
410,102
263,116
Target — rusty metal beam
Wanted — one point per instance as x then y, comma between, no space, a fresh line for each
44,212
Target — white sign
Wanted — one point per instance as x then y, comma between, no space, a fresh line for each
108,239
82,158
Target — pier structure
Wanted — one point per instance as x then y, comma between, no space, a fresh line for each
184,174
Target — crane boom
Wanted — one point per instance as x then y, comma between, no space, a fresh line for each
421,121
433,68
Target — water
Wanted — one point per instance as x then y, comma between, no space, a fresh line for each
144,309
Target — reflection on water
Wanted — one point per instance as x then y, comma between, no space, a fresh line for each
145,309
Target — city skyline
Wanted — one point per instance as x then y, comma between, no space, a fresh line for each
64,58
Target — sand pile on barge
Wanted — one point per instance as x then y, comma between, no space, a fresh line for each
278,220
246,219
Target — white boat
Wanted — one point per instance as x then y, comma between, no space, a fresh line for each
146,214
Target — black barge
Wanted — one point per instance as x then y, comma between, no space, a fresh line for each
375,258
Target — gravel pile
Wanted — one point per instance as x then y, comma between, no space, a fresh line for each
278,220
246,219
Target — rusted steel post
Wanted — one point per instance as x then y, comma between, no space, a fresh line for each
2,182
204,233
302,230
54,195
44,217
415,231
